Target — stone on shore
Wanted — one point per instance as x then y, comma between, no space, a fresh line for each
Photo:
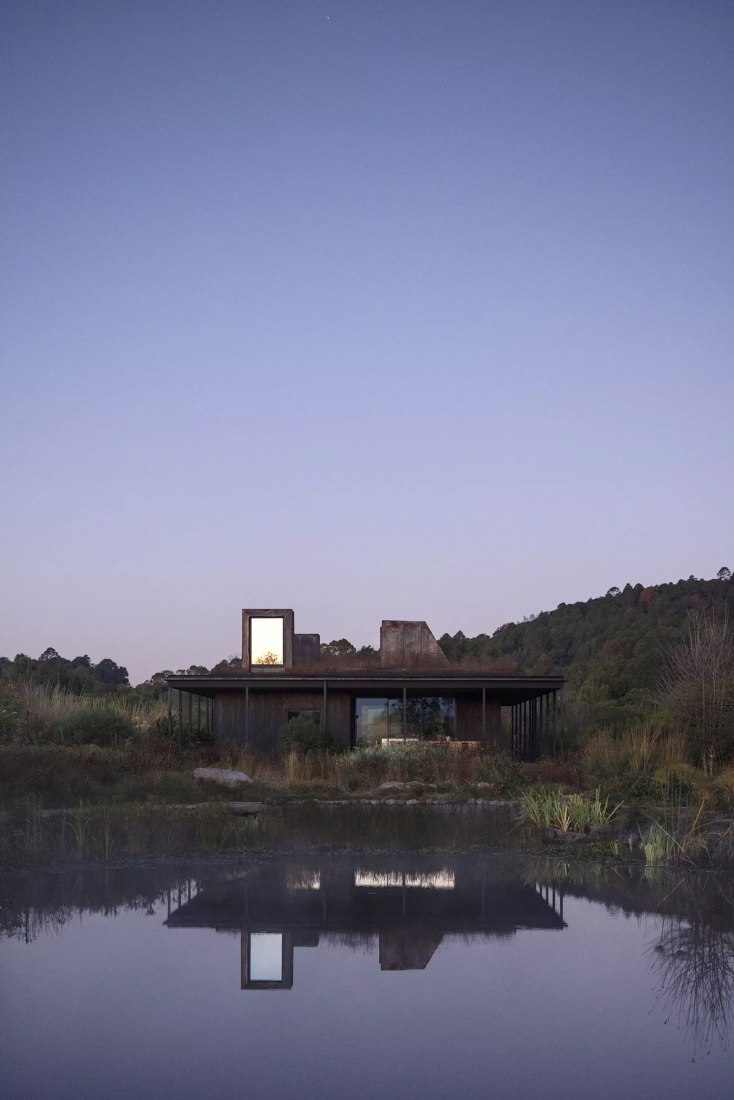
252,809
222,775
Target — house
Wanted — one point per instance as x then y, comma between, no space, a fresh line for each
406,905
407,691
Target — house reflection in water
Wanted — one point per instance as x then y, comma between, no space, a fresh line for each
407,904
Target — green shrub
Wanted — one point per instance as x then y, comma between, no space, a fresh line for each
98,726
9,712
304,733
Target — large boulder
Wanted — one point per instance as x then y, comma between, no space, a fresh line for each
222,775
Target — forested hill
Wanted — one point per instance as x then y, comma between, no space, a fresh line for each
610,648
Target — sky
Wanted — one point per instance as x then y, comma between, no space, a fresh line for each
402,309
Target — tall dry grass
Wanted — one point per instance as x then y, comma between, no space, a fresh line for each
639,753
367,768
51,713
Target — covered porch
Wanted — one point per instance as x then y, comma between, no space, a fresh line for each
519,714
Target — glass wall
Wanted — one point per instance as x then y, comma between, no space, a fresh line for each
380,721
266,641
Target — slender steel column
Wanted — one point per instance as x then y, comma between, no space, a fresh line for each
541,723
247,714
405,694
553,723
323,710
180,718
484,714
521,731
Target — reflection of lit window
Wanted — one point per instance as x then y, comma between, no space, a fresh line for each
304,880
432,880
369,878
266,957
438,880
266,641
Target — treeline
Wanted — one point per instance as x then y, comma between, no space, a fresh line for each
612,649
79,675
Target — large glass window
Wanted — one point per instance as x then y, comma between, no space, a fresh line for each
266,641
380,721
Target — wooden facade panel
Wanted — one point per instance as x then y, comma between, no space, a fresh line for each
339,717
259,724
229,718
469,719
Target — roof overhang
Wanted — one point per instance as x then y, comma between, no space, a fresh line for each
508,689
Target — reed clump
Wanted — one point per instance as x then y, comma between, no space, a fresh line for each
678,838
577,813
643,761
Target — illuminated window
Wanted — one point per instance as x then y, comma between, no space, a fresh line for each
266,957
266,641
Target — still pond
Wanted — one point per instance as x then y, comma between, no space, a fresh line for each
361,974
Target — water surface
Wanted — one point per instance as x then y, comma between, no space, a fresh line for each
366,975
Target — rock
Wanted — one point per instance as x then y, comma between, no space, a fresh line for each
222,775
385,787
251,809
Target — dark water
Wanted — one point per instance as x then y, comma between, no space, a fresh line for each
358,975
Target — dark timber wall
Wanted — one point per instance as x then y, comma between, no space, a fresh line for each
469,720
268,713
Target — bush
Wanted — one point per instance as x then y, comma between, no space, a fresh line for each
304,733
96,725
9,712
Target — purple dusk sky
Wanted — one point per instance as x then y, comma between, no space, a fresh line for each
368,308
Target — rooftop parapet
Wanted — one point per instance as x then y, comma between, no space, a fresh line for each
406,643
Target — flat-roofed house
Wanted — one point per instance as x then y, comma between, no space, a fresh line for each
407,691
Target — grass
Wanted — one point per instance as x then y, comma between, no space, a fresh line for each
639,754
61,751
44,714
430,766
549,809
104,834
683,837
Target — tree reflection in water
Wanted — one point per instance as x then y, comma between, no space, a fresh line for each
694,962
693,955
